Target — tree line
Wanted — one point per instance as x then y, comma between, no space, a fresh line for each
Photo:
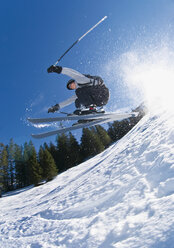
21,166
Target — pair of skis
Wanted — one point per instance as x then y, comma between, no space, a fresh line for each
85,121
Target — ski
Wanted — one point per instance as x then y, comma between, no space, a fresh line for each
114,116
91,121
67,129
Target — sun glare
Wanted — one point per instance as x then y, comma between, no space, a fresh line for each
152,74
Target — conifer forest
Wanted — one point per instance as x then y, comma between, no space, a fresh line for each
21,166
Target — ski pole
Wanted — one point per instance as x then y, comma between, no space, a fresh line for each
80,39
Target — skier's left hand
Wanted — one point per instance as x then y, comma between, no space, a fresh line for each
54,108
54,68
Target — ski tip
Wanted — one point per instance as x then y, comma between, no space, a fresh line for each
33,136
29,119
37,136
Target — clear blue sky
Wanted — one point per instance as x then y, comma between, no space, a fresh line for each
35,33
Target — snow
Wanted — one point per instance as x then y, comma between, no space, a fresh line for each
123,197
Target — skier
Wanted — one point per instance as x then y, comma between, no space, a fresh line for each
91,91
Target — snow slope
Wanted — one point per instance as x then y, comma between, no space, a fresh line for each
123,197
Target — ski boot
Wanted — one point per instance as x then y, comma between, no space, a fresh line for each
92,109
83,111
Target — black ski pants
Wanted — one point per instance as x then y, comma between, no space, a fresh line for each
92,95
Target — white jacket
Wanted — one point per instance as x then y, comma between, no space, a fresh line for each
79,78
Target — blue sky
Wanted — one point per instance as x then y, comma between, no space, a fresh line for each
35,33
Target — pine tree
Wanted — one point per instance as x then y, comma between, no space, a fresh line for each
19,167
49,169
103,135
29,153
63,156
45,146
118,129
35,168
74,151
11,152
26,156
3,168
41,155
53,150
90,143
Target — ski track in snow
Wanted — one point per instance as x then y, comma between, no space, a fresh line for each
123,197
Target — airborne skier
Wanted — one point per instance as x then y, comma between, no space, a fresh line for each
91,91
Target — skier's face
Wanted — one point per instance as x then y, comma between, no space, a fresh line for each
73,86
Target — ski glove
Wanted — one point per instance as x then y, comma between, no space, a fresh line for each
53,68
54,108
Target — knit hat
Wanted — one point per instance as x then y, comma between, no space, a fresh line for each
70,82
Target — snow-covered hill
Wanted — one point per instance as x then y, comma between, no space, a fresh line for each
123,198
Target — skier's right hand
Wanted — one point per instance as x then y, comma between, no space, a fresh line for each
53,68
54,108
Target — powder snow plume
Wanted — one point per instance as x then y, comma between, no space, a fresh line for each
147,75
152,74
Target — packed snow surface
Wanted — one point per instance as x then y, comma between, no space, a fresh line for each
123,197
